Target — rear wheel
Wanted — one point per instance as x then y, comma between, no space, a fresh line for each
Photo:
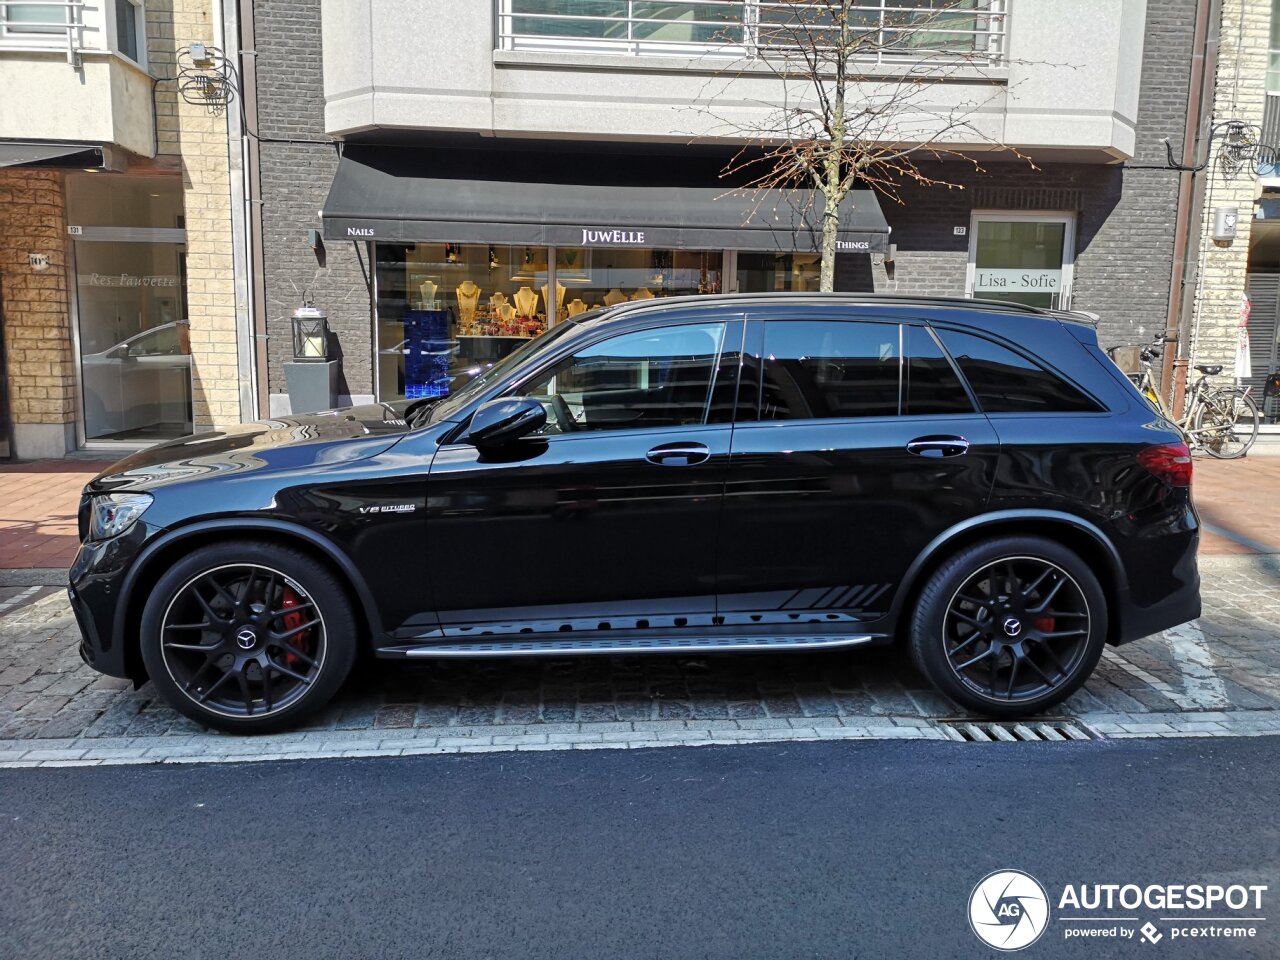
1010,626
248,637
1226,424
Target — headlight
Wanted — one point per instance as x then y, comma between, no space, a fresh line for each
114,513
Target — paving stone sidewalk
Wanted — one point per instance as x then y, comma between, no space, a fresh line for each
1218,676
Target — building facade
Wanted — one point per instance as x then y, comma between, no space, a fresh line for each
117,291
1237,290
458,179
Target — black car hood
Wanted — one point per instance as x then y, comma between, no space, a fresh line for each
331,437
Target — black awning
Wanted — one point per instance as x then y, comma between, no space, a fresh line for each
23,153
372,200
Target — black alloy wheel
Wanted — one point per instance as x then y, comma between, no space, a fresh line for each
250,644
1010,627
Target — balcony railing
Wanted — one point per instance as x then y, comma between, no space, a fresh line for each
43,25
892,31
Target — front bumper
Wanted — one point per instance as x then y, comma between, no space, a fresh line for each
96,593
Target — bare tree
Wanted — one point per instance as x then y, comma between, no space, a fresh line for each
866,90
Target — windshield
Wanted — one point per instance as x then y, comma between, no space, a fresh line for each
445,408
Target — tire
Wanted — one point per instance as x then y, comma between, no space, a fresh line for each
1244,418
963,616
248,637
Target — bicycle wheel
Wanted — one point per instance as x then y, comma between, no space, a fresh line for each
1226,424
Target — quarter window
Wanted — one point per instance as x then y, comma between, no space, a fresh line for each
1005,382
651,378
931,386
829,369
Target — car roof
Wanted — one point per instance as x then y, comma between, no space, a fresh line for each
960,304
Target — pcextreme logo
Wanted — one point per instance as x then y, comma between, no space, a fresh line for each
1008,910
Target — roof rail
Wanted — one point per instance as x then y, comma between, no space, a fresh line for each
859,298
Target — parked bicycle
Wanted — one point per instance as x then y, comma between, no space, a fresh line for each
1220,421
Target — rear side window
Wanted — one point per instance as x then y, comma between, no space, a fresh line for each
931,383
815,369
1005,382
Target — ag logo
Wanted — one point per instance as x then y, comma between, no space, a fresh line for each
1008,910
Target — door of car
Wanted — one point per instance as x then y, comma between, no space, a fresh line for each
607,517
862,445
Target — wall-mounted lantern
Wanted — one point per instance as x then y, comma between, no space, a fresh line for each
310,334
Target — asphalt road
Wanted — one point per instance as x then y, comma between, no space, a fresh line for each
824,850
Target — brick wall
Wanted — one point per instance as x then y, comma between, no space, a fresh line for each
1239,95
37,331
198,133
298,163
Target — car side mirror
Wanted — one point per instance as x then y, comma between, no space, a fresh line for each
504,420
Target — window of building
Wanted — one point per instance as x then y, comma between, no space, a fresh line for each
446,312
128,34
1006,382
131,306
931,385
777,272
829,369
1273,63
1022,257
896,29
21,18
650,378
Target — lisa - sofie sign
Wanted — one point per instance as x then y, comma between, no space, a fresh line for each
1016,280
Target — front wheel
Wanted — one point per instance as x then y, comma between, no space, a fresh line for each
248,637
1226,424
1010,626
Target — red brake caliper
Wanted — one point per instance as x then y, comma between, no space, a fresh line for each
292,621
1044,624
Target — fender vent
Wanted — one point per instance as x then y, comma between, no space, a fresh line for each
986,731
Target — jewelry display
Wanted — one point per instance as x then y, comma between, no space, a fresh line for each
576,306
644,293
468,300
428,289
526,302
560,291
614,296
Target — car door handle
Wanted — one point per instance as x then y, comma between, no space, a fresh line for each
678,454
938,446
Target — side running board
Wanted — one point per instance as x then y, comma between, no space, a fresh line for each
520,648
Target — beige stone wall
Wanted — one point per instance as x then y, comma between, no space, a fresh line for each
1240,95
37,329
198,134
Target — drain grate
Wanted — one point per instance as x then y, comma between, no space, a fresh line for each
987,731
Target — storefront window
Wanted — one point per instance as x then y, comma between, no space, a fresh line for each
595,277
777,272
446,312
449,311
135,345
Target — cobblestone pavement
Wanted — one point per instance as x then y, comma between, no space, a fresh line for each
1218,676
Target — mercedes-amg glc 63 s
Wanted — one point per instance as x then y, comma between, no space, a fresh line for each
973,479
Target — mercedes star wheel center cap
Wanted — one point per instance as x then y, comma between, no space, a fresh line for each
246,638
1012,627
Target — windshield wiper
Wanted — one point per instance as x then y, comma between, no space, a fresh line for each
416,413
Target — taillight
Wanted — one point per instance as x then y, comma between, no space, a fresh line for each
1170,462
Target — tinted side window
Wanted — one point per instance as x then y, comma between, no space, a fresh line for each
824,369
932,385
650,378
1005,382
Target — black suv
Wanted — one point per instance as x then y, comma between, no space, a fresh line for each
766,472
